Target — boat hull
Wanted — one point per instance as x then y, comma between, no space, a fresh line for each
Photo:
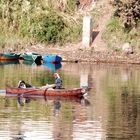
9,56
32,57
52,59
9,62
57,92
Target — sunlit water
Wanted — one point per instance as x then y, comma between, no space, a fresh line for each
110,110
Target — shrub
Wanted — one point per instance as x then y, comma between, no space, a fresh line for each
51,27
128,11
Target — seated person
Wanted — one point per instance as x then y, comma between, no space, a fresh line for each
56,85
22,84
58,81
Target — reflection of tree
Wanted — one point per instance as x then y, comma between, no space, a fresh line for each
129,115
123,118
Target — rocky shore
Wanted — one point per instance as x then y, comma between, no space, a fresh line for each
77,54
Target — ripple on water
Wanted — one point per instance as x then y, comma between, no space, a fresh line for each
88,130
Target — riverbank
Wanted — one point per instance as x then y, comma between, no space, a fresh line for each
75,53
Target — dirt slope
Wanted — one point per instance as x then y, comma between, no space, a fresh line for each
106,12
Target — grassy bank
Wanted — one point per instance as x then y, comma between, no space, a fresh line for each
115,35
31,21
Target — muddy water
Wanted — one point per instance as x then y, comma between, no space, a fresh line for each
110,110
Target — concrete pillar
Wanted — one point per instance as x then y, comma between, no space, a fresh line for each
84,80
87,31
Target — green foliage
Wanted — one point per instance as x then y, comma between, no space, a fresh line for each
71,6
128,11
51,27
114,25
115,35
46,21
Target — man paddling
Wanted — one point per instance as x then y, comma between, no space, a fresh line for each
56,85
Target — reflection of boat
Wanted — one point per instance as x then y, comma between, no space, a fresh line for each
46,98
31,63
52,67
51,59
77,92
28,62
9,62
9,56
32,56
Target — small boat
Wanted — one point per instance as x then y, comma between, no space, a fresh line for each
31,56
9,56
6,62
52,66
51,59
77,92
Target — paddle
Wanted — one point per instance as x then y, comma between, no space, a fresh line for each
45,94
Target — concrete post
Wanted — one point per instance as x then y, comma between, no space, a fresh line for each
84,80
87,31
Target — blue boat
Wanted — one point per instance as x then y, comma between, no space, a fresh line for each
51,59
52,67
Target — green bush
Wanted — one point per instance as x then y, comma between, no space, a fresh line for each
51,27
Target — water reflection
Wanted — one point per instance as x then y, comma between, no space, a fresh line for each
23,100
57,106
32,63
110,111
52,67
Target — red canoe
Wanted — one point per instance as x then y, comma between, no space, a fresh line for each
57,92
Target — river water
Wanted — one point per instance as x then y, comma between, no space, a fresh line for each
109,111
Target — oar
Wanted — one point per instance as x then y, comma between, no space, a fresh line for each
45,94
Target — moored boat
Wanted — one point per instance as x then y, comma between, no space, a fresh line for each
51,59
77,92
31,56
7,62
9,56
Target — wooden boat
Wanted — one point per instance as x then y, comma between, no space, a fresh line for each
31,56
9,56
77,92
51,59
7,62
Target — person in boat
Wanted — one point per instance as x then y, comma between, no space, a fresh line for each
22,84
58,81
56,85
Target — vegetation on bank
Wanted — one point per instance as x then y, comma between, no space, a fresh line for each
51,21
124,26
58,21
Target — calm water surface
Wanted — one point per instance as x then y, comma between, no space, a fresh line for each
110,111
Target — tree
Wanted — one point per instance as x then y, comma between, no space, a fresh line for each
128,11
